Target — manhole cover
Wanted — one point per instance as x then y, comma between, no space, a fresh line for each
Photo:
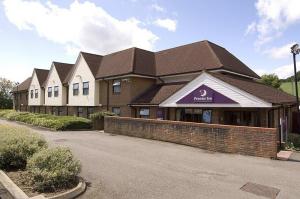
60,140
261,190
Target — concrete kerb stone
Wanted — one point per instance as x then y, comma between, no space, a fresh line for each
11,187
17,193
78,190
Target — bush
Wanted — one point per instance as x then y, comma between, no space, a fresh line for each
293,141
17,145
48,121
101,114
52,169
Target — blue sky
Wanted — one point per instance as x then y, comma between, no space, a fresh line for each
35,33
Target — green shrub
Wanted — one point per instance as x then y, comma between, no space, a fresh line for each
101,114
52,169
17,145
48,121
293,141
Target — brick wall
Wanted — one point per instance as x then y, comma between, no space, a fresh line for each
253,141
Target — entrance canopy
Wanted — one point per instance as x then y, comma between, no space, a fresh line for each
209,91
214,90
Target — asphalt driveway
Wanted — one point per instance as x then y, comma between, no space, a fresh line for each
133,168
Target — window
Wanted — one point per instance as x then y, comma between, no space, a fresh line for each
31,94
36,93
117,86
75,89
144,112
116,110
80,112
49,91
85,88
90,111
55,91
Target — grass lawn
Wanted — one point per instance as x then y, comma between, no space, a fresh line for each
289,87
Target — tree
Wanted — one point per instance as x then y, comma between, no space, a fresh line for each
271,80
6,98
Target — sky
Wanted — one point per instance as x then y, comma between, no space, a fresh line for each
35,33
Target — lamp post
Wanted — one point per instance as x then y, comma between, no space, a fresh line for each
295,50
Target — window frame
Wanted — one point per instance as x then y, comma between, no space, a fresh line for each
114,86
114,108
85,89
49,92
77,89
31,94
144,116
56,93
36,93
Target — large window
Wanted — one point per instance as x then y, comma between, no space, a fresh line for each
85,88
116,110
49,91
36,93
80,112
117,86
75,89
194,115
55,91
90,111
31,94
144,112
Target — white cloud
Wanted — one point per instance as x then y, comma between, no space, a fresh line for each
274,17
168,24
157,8
282,71
280,52
83,26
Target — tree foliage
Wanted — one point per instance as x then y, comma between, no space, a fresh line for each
6,99
271,80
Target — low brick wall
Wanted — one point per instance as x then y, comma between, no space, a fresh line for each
243,140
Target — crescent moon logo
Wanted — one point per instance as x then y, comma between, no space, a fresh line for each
202,93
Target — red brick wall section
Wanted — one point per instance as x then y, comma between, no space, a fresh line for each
252,141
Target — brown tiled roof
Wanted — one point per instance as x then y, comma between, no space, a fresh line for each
63,70
203,55
116,63
158,93
93,61
132,60
42,75
260,90
24,86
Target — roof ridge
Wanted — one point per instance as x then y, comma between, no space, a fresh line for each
213,52
196,42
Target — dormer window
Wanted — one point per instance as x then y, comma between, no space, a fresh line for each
55,91
49,91
85,88
75,89
36,93
117,86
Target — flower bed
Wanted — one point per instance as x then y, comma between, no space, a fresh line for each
26,158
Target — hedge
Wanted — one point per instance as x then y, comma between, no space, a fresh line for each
17,144
48,121
52,169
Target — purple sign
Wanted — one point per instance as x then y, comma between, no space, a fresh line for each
204,94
